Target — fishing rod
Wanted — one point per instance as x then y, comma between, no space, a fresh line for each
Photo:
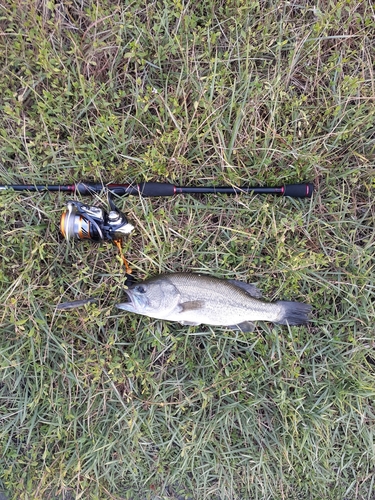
80,221
148,189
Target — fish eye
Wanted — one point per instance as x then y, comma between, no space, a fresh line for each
141,289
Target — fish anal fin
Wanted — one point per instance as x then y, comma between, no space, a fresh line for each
247,287
245,326
190,305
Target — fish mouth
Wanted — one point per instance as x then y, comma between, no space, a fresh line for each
129,304
133,302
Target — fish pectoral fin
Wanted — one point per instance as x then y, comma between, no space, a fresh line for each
248,287
190,305
245,326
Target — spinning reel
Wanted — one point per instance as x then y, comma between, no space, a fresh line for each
83,222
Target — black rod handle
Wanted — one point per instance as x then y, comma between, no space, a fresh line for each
299,190
156,189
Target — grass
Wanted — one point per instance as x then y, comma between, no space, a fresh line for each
103,405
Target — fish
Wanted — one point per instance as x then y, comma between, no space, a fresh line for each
195,299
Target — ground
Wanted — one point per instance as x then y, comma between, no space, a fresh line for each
101,404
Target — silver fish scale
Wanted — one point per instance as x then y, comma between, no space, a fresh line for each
222,302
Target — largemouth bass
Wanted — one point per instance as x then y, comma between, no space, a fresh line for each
194,299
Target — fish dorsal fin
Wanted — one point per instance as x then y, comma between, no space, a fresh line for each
250,289
190,305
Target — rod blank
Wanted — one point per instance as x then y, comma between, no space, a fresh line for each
304,190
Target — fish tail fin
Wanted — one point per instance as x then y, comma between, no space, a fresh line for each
292,313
